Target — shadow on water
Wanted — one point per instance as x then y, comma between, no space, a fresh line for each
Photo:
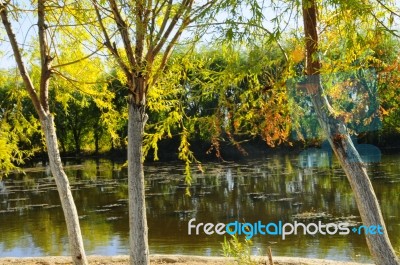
307,187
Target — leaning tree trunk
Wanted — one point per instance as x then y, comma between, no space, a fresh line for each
41,104
64,190
338,136
139,247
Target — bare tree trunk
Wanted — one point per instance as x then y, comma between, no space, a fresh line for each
139,247
64,191
339,138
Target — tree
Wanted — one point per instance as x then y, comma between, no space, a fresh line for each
232,95
148,30
341,143
76,119
39,97
17,130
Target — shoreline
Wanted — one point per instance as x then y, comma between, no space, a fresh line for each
169,259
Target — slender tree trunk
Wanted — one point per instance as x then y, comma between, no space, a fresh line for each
339,138
77,147
41,104
76,136
139,247
96,145
96,139
64,190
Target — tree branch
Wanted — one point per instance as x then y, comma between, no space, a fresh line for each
246,24
168,50
108,44
45,58
388,9
164,22
185,6
20,64
391,31
123,29
71,80
141,26
79,60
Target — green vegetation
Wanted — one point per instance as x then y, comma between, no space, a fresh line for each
216,97
240,251
120,75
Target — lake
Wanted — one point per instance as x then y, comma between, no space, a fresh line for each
274,188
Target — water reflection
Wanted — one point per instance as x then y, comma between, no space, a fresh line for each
322,157
314,157
269,189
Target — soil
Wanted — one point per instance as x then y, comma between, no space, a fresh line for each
169,260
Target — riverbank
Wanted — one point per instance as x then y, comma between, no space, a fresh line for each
169,259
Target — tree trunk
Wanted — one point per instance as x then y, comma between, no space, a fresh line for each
96,145
96,139
47,122
139,247
339,138
77,143
64,190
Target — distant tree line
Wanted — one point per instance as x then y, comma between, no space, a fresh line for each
230,98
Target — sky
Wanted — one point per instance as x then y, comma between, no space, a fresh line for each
25,30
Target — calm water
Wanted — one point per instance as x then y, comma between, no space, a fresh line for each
269,189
